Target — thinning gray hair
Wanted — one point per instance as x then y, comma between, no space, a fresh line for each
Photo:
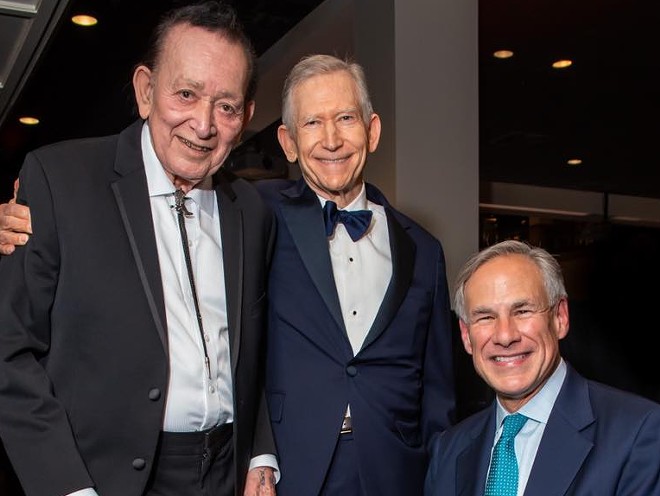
316,65
553,280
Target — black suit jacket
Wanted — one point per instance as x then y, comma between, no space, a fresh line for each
83,337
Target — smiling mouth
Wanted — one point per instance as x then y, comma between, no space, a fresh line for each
507,359
333,161
195,147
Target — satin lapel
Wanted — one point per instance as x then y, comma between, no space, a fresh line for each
304,220
132,196
231,229
471,482
566,441
403,262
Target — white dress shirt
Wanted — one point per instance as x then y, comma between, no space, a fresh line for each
537,410
194,402
362,270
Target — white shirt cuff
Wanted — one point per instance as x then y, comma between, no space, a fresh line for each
265,461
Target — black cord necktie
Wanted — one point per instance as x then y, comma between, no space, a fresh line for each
182,212
356,222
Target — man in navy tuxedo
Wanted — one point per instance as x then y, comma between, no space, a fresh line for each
359,369
580,437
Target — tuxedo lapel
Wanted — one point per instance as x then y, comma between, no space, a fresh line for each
304,220
231,229
132,196
403,261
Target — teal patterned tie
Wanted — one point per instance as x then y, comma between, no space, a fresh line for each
503,475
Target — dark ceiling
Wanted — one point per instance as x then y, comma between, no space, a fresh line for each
81,85
603,109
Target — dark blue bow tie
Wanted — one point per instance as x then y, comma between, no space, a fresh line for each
356,222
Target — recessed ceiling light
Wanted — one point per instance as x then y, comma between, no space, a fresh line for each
503,54
28,121
562,64
84,20
574,161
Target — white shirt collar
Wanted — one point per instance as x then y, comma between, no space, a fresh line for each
539,407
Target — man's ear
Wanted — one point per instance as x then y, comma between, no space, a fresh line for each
143,89
287,143
374,132
248,113
465,336
561,319
247,117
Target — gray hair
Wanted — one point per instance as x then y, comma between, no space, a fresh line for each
553,280
316,65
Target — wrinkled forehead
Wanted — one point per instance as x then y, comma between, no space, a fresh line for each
205,58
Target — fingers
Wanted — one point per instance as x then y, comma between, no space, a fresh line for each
6,249
14,217
13,200
9,239
14,227
260,482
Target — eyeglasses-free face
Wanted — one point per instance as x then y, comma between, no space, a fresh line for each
512,331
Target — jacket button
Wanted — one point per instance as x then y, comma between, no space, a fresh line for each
154,394
139,464
351,370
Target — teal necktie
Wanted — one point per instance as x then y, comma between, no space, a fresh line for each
503,475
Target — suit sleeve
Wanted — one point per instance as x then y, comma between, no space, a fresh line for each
438,409
33,424
264,442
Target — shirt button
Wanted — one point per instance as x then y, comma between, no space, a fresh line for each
354,312
350,259
212,389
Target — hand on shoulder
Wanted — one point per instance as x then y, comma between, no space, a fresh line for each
15,224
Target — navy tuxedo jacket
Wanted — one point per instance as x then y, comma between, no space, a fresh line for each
599,441
83,345
400,384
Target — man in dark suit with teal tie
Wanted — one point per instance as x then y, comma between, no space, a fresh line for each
551,432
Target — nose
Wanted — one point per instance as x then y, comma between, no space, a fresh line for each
203,121
506,331
331,136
